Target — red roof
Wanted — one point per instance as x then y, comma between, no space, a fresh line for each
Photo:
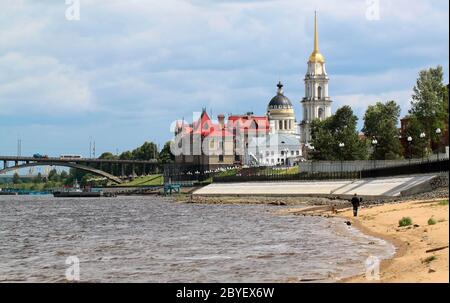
246,123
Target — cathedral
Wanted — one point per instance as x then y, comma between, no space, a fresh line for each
270,140
316,104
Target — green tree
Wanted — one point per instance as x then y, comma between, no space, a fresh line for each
380,122
429,105
16,179
107,156
64,175
338,129
166,156
419,147
53,176
38,178
147,151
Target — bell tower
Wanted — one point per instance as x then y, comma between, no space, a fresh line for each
316,104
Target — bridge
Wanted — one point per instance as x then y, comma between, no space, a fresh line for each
114,170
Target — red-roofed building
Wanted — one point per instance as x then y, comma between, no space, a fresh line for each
206,143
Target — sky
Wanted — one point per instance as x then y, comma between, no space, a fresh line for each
123,72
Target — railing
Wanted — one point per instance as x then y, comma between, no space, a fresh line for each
339,166
259,174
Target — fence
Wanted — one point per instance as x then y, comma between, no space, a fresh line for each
272,175
356,166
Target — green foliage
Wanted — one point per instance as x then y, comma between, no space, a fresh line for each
443,203
166,156
405,221
16,179
380,122
107,156
339,128
419,147
431,221
53,176
429,105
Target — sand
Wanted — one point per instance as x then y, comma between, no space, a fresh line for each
411,263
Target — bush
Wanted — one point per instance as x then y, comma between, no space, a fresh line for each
443,202
405,221
431,221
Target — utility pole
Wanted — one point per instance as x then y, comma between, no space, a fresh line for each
93,150
19,147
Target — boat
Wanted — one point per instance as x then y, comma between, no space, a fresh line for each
77,192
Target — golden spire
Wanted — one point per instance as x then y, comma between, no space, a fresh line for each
316,56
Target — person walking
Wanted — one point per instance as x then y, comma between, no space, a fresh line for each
356,202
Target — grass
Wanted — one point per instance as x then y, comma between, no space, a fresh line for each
431,221
405,221
152,180
443,203
429,259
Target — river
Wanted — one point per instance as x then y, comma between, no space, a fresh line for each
153,239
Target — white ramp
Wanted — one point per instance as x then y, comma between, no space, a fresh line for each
388,187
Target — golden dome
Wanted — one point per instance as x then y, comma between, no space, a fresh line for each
316,56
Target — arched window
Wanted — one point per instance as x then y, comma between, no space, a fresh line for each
319,92
321,115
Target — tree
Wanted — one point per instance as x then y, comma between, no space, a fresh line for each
429,105
166,156
16,179
337,129
53,176
380,122
147,151
419,147
38,178
107,156
64,175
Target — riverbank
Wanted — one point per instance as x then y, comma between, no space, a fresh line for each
421,248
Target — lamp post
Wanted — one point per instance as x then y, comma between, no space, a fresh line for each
438,133
312,161
409,144
422,137
341,146
374,144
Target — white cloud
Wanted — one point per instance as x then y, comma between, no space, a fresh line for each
41,85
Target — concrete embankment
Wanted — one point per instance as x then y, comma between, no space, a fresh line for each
369,188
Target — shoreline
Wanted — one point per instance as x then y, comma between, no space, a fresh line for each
412,261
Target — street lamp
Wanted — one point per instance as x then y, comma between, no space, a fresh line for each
312,148
341,146
409,139
422,136
438,133
374,144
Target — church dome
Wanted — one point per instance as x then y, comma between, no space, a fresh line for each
280,101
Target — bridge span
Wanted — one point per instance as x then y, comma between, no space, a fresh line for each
113,169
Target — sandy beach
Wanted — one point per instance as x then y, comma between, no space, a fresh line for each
422,249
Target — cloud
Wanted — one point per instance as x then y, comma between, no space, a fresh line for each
41,85
135,66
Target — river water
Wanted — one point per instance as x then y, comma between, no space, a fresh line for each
152,239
